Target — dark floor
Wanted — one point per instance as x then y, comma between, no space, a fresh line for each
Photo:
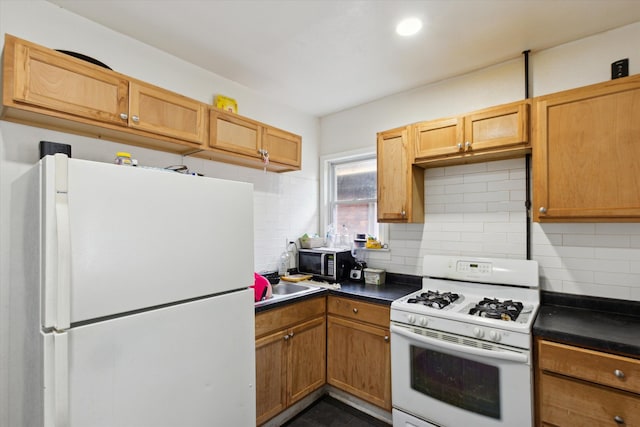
328,411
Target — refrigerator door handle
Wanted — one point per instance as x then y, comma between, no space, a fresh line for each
63,288
61,379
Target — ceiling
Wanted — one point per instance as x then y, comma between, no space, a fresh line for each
323,56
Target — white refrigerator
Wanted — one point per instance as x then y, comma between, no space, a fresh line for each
129,302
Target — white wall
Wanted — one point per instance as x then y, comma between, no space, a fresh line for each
478,209
285,204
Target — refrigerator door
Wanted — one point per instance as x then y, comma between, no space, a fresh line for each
189,364
119,239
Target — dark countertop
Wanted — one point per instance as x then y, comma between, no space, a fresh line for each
396,286
603,324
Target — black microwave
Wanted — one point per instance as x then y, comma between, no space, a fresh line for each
328,264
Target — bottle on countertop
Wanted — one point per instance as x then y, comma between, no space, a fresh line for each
292,249
283,266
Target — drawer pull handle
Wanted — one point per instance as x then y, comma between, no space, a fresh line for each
618,419
618,373
355,310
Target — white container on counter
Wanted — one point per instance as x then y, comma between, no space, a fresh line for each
374,276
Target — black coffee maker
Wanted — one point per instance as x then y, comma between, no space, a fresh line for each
357,271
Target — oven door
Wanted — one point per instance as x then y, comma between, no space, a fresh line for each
454,381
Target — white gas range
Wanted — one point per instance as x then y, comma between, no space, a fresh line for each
461,346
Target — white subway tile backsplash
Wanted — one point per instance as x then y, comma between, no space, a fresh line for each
630,254
467,188
489,217
486,197
478,209
622,228
616,279
491,178
517,163
465,207
620,292
462,226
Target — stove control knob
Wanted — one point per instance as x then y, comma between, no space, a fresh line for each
478,332
411,318
495,335
423,321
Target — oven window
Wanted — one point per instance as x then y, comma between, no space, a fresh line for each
469,385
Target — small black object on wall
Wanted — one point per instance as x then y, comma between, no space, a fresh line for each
620,69
47,147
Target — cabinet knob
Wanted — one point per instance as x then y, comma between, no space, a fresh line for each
618,419
386,338
618,373
135,119
467,144
403,213
459,145
124,116
291,335
355,310
543,209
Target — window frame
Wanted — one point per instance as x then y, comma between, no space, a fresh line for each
326,186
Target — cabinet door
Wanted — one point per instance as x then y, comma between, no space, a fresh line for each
283,147
359,360
159,111
271,375
234,134
439,138
586,152
306,359
400,184
64,85
497,128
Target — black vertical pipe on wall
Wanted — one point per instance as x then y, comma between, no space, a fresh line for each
527,164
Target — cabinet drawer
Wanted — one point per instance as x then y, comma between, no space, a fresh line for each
570,403
358,310
602,368
279,318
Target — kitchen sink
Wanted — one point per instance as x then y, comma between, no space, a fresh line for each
288,289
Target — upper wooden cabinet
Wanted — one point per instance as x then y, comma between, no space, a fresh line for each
586,154
400,183
46,88
489,134
246,142
159,111
49,80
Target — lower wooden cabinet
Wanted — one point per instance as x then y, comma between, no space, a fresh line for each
580,387
290,355
358,350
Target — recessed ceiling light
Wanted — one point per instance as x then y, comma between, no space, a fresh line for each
409,26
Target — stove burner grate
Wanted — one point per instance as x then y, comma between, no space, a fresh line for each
434,299
496,309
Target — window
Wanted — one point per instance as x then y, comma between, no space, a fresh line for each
351,194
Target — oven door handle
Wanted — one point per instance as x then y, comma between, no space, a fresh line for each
514,357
